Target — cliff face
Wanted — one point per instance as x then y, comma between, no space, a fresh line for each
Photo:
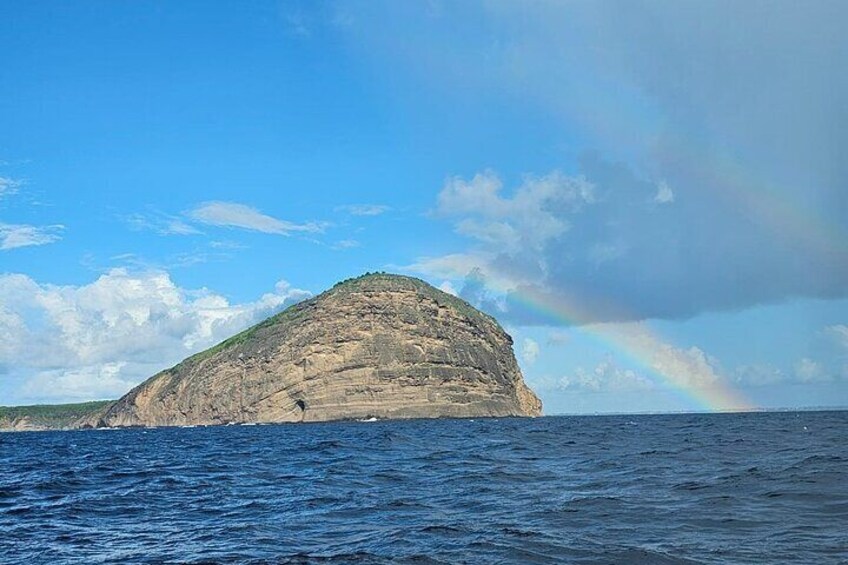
20,424
381,346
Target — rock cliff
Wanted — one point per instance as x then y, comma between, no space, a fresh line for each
378,346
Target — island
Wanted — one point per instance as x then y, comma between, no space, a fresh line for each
379,346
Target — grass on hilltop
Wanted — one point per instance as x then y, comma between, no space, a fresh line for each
52,415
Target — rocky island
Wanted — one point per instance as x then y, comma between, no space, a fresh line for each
377,346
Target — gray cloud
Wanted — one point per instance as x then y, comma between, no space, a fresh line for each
625,258
718,130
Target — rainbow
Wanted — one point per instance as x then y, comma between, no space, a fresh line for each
639,345
789,218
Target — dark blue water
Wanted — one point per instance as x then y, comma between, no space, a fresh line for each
731,488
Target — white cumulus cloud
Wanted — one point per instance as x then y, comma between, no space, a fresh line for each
663,364
690,367
97,340
526,219
607,376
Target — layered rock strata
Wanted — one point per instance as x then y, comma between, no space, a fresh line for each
378,346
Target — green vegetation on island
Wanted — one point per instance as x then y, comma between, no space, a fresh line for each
53,416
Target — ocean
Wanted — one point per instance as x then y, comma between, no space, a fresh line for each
665,489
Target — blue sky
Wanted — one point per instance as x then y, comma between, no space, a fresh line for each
669,175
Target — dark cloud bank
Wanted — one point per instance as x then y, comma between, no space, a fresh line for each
732,194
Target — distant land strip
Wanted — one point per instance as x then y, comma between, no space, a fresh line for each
47,416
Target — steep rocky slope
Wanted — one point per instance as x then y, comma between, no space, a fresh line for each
383,346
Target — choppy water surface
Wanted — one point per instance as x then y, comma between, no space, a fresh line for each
740,488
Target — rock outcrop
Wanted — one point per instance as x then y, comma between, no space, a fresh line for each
20,424
378,346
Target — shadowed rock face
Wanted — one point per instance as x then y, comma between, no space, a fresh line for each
382,346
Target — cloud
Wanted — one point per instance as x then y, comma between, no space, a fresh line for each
826,361
526,220
690,367
105,381
234,215
226,245
558,337
364,209
605,377
99,339
733,113
612,250
214,252
838,334
446,286
453,266
346,244
529,350
13,236
758,375
807,370
9,186
161,224
664,194
220,214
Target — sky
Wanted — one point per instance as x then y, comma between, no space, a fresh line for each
650,196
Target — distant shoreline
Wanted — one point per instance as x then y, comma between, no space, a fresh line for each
63,417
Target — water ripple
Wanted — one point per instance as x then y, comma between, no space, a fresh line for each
686,489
